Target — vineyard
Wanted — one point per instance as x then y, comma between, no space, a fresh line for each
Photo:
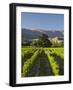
42,62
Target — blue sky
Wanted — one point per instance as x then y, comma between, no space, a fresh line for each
42,21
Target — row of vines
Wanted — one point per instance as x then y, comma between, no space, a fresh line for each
46,61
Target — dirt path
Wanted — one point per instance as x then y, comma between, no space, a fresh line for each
41,67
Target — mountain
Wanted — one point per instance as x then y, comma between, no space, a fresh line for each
28,34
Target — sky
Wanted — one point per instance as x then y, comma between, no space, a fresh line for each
44,21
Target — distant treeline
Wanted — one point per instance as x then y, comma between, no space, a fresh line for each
43,41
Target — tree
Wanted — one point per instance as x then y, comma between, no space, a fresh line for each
44,41
34,43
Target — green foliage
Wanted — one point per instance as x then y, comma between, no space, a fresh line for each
44,41
30,55
34,43
57,45
53,64
58,52
29,63
26,56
